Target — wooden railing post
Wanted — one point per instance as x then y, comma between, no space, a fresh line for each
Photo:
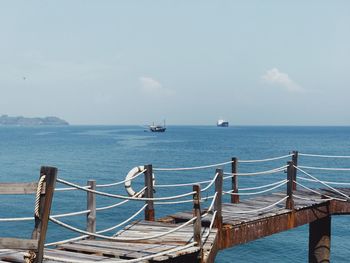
290,171
218,200
41,222
91,205
197,225
295,163
149,211
235,197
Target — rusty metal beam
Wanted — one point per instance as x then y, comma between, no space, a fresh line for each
239,234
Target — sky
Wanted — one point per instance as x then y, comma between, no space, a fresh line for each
191,62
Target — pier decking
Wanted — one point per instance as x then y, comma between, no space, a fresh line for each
197,235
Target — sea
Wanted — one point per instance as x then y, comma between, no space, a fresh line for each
107,153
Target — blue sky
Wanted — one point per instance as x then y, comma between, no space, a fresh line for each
189,62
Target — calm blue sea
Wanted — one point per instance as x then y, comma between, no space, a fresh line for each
107,153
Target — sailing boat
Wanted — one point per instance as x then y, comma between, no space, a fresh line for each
157,128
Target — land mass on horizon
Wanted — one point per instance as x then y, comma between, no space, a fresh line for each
25,121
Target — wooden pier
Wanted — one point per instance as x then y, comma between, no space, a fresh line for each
188,236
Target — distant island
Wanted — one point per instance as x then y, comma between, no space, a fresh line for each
24,121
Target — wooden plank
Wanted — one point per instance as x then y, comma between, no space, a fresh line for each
66,256
17,243
11,255
18,188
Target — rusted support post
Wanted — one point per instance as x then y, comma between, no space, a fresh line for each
197,225
290,201
320,240
218,200
295,163
149,211
41,222
91,205
235,197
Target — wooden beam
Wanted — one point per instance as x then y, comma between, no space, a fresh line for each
18,188
17,243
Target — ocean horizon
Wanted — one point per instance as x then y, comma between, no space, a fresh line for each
107,153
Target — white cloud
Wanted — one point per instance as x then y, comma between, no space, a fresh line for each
275,77
153,87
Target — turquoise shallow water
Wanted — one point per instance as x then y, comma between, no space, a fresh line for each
107,153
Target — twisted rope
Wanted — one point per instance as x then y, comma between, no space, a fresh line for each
123,196
60,223
192,168
259,192
266,160
316,192
324,156
272,171
260,209
38,193
323,168
321,182
261,186
327,182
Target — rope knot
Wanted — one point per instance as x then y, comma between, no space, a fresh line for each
29,257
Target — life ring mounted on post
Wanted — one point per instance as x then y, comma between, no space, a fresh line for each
131,174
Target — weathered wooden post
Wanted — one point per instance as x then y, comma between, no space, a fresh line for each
218,200
197,225
41,221
295,163
320,240
91,205
234,168
149,211
290,171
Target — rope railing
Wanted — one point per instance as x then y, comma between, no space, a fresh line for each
211,206
261,186
66,189
327,182
121,182
324,156
193,168
266,160
100,185
210,226
259,192
123,196
259,209
115,237
323,168
272,171
323,183
16,219
211,183
318,193
179,185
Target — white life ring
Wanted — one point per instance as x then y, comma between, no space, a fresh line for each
131,174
